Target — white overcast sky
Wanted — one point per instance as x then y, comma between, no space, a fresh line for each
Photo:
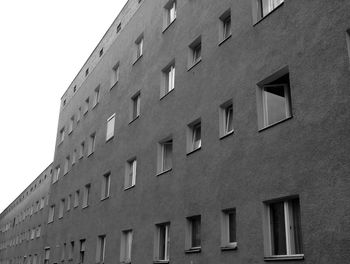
43,45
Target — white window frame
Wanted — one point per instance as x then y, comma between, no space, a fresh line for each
189,234
66,165
61,209
86,195
71,125
61,135
166,239
51,214
91,146
191,136
76,198
86,106
139,45
258,9
225,229
105,187
96,96
169,13
82,250
168,80
224,119
161,155
224,31
115,74
101,249
135,105
69,202
130,174
195,52
126,246
110,127
56,174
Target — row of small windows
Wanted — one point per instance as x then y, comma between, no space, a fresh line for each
28,235
281,230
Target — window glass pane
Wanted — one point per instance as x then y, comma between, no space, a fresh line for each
232,226
229,118
227,27
162,241
296,227
196,136
167,155
278,231
275,104
269,5
196,232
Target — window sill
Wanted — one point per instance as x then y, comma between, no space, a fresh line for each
194,65
168,26
90,154
160,261
95,106
132,121
229,247
193,250
262,18
226,135
70,132
104,198
165,95
274,124
285,257
115,84
128,188
86,206
109,139
137,59
164,172
193,151
224,40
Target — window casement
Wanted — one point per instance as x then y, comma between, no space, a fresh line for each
38,231
56,174
71,124
261,8
101,249
42,203
168,80
194,136
115,74
119,27
96,96
61,209
228,229
76,198
126,246
282,229
195,52
51,213
63,252
82,250
91,146
165,155
69,201
87,72
162,242
274,100
130,173
105,187
86,106
135,106
110,127
169,14
226,119
101,52
193,234
348,41
139,47
47,256
82,149
86,194
225,26
79,114
66,165
71,251
61,135
32,234
74,157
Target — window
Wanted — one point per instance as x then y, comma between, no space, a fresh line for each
74,157
228,229
274,102
225,25
56,174
110,127
76,198
348,41
119,27
168,79
82,251
139,47
86,106
91,146
60,213
74,88
79,114
63,252
135,100
66,165
125,246
101,52
51,214
42,203
32,234
82,147
71,251
38,231
106,181
165,155
71,124
193,233
194,137
115,75
170,13
69,201
61,136
86,72
195,50
162,242
130,175
86,195
226,119
267,6
96,96
101,248
282,229
47,256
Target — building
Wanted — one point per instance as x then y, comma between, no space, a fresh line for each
207,132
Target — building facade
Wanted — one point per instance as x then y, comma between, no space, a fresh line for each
207,132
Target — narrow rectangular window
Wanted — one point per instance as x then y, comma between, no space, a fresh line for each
42,203
63,252
168,83
86,195
86,106
228,229
110,127
82,251
194,136
96,96
79,114
56,174
91,147
126,246
71,124
225,27
170,13
74,157
162,242
66,165
71,251
69,201
130,176
76,198
136,99
226,118
195,52
106,181
165,155
61,135
60,213
51,214
82,148
38,231
193,234
47,256
115,75
101,248
267,6
139,48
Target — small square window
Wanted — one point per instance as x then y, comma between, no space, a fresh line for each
76,198
225,25
162,242
110,127
193,234
96,96
135,104
86,195
195,52
115,75
86,106
170,13
226,119
91,146
165,155
282,229
105,187
139,47
168,79
228,229
130,174
126,246
194,136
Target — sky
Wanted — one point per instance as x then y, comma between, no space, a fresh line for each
43,45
